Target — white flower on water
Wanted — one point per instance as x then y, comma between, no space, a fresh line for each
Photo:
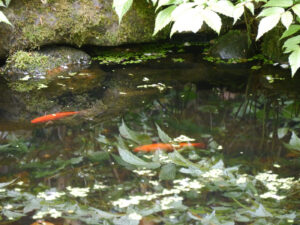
135,216
149,173
54,213
166,202
183,138
271,194
8,206
50,195
78,192
123,203
213,173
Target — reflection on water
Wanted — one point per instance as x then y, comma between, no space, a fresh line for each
81,170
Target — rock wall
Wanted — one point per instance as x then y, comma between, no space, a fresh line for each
74,22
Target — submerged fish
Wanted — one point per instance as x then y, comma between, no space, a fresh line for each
166,147
54,116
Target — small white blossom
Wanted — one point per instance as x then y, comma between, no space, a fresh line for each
78,192
50,195
183,138
135,216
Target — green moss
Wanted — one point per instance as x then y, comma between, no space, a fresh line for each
28,60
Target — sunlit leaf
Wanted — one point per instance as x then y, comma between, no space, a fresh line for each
287,19
279,3
121,7
294,60
250,6
281,132
290,31
130,158
162,135
267,24
238,12
212,19
188,20
168,172
296,9
11,214
163,18
223,7
166,2
291,43
271,12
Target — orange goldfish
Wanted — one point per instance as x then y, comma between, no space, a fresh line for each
54,116
166,147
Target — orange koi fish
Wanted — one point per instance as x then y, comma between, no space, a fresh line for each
54,116
166,147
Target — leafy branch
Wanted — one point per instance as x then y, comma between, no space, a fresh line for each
190,15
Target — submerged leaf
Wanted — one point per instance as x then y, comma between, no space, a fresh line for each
130,158
168,172
162,135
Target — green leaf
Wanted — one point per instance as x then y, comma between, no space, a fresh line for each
134,160
281,132
1,3
294,60
287,19
296,9
292,30
212,19
291,44
162,135
168,172
121,7
267,24
4,19
166,2
163,18
279,3
271,11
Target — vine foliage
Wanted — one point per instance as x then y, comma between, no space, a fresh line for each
190,15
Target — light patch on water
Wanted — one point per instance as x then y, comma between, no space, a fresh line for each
52,212
160,86
78,192
146,79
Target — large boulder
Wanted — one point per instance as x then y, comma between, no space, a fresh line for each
74,22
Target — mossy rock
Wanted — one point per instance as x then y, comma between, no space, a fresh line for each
271,46
76,23
46,63
232,45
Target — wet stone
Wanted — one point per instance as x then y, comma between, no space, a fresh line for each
47,63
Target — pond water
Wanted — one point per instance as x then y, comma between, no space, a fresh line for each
82,169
